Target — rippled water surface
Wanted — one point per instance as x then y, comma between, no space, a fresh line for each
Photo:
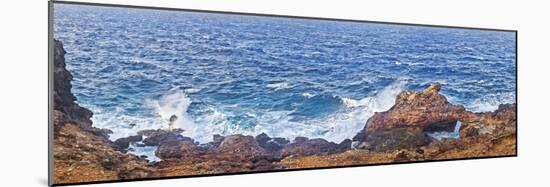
227,74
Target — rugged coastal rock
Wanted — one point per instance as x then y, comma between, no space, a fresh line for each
399,134
501,121
158,136
238,147
180,149
238,153
64,100
305,147
234,153
243,146
406,123
81,156
404,126
82,153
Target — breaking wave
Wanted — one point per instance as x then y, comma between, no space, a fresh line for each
490,102
338,126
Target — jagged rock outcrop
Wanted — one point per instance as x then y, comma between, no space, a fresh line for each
185,149
485,134
237,153
405,124
414,114
64,100
234,153
501,121
82,153
273,145
158,136
233,147
80,156
243,146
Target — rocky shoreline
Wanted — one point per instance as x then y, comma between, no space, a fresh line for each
83,153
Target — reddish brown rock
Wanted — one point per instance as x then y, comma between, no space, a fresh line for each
80,156
397,135
494,135
501,121
243,146
404,125
184,149
235,153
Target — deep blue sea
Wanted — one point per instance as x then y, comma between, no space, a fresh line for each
228,74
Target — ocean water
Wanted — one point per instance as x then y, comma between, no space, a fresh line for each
228,74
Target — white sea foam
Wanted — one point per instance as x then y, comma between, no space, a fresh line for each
491,102
192,90
118,122
308,95
279,85
351,103
341,126
139,60
175,102
280,124
205,126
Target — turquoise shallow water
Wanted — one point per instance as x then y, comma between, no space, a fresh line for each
228,74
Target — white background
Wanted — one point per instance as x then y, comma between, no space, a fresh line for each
23,99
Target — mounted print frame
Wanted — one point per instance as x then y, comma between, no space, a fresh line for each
144,93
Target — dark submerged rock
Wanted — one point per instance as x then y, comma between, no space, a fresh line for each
262,138
318,146
124,143
271,144
217,140
159,136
